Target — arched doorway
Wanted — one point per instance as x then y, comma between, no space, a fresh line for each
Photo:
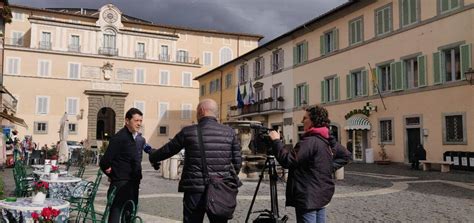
105,123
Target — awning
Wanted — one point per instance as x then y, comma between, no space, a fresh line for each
357,123
13,119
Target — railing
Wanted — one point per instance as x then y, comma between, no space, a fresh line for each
257,108
45,45
108,51
15,41
74,48
140,55
187,59
164,57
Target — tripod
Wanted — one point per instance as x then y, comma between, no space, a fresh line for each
269,215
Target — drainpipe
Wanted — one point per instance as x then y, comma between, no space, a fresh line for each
220,99
238,46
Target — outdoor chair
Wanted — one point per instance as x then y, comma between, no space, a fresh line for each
84,203
128,213
80,171
83,216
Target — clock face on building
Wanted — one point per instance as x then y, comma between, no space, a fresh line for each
110,16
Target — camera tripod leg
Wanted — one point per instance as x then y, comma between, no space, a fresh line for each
273,188
255,194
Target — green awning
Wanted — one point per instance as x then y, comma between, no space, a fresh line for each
357,123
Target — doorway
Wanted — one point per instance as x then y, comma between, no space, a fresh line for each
413,138
357,143
105,123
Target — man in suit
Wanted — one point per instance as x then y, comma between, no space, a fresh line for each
122,163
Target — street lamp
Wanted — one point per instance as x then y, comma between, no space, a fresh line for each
469,74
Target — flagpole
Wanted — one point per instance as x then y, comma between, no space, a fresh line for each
377,86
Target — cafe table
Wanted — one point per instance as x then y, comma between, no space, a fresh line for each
62,186
23,208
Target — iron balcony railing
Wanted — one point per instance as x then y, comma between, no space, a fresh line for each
74,48
45,45
187,60
140,55
263,106
108,51
14,41
164,57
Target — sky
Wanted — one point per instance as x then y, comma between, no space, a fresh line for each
269,18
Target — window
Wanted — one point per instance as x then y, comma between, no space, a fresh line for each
45,42
203,90
330,89
301,95
164,77
212,87
357,84
187,79
72,127
300,53
329,42
228,80
72,105
140,53
259,67
454,128
163,130
448,5
109,39
450,64
17,16
164,55
41,128
276,92
386,131
356,31
182,56
13,64
409,12
163,109
243,73
140,75
74,44
140,105
17,38
74,70
186,111
383,20
385,78
225,55
44,68
42,105
411,72
207,59
277,60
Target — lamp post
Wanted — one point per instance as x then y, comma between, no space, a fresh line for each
469,74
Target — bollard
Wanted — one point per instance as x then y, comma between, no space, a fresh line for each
165,166
340,174
173,171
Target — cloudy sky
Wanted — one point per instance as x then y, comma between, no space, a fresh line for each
269,18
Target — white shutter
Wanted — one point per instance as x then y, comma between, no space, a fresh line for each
186,79
140,75
72,106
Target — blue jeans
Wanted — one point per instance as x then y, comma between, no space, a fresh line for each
310,216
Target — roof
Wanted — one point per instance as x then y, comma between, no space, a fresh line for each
304,26
136,21
94,13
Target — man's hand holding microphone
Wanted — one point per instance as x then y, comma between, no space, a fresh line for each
147,149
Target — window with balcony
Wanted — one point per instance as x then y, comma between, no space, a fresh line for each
276,93
164,54
330,89
300,53
17,39
445,6
383,20
182,56
243,73
409,12
140,53
45,42
259,67
109,44
277,60
74,44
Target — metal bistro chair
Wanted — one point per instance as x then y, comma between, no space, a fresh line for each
104,216
80,171
128,213
85,203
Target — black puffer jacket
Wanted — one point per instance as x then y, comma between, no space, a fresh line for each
221,148
310,184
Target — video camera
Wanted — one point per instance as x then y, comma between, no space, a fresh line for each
261,139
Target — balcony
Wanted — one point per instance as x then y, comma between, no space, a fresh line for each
140,55
262,107
164,57
74,48
45,45
108,51
14,41
187,60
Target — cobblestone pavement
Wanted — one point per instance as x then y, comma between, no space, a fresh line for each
369,193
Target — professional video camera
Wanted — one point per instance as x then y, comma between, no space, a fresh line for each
261,139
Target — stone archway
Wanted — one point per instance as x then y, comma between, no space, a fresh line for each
104,99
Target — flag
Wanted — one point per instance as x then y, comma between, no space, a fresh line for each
244,95
240,102
251,94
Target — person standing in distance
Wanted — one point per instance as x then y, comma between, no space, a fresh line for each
222,152
122,163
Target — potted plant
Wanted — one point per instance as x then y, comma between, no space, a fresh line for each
383,155
54,174
48,215
280,98
40,189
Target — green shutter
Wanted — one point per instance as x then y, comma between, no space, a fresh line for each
413,11
305,51
348,86
306,93
379,22
421,71
336,39
337,88
295,55
405,12
398,76
295,97
466,58
403,74
437,68
392,75
454,4
352,31
323,91
365,82
386,20
378,81
322,50
444,5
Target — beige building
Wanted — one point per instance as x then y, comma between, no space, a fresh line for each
96,64
416,53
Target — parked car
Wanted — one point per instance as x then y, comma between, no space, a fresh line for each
73,145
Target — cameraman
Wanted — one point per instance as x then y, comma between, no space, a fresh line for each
310,186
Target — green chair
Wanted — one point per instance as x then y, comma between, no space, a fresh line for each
125,213
85,203
80,171
83,216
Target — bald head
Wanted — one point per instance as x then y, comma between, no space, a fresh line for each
207,107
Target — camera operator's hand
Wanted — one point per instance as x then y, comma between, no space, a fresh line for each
156,166
147,148
274,135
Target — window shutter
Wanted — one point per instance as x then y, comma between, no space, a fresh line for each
255,69
281,90
392,75
397,75
403,74
295,55
466,58
454,4
281,56
322,49
348,86
295,97
262,66
336,39
365,82
272,94
378,81
379,26
323,92
305,51
39,104
421,70
45,106
336,88
437,68
246,70
306,93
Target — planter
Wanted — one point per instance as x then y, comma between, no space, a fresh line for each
53,176
382,162
47,168
38,198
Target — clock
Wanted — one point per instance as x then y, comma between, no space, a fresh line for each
110,16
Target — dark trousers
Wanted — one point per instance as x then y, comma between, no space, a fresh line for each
126,190
194,209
